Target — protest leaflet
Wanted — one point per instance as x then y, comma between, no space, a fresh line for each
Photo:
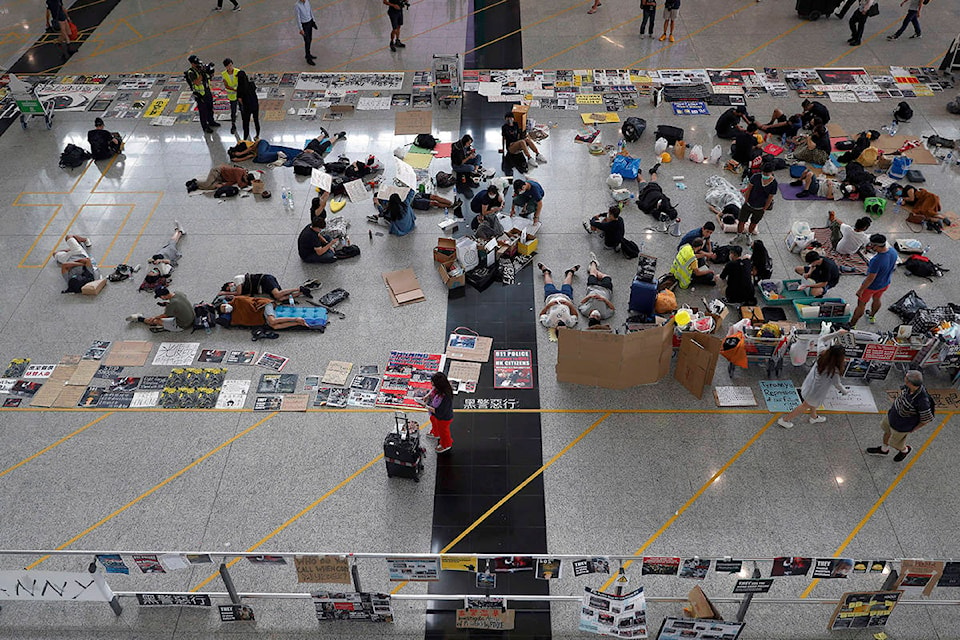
369,607
407,378
610,615
866,609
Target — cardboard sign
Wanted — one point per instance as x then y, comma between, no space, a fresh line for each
326,569
403,286
466,346
697,361
780,395
614,361
21,584
859,610
490,619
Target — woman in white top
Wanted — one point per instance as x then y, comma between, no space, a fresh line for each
824,374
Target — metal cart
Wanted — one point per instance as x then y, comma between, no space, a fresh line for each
446,78
29,103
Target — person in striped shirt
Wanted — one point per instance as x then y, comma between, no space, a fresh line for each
912,409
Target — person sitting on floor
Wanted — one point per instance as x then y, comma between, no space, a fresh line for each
704,231
558,309
103,144
858,146
728,124
222,176
396,213
261,284
528,195
813,110
688,269
744,144
314,246
821,272
814,148
487,202
517,141
781,125
178,313
761,260
847,240
247,311
76,266
822,186
596,305
465,161
738,275
610,225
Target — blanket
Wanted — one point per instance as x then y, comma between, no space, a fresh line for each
856,262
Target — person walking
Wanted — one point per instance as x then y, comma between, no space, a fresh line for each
249,104
395,13
670,12
439,402
59,21
912,17
198,76
858,20
306,24
229,75
879,273
758,199
912,409
649,8
825,373
219,7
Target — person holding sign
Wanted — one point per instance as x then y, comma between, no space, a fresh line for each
824,374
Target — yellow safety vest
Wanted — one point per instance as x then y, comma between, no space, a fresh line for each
230,82
196,82
682,268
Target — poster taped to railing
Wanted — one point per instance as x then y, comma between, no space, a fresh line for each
326,569
54,585
371,607
607,614
413,569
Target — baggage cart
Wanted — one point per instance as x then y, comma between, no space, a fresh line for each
29,103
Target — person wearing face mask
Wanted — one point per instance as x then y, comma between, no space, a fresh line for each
758,198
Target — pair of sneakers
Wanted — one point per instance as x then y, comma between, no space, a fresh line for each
786,424
537,161
235,8
880,451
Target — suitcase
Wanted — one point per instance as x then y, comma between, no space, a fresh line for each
669,133
815,9
402,451
643,296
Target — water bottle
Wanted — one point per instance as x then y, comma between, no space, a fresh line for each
948,159
283,197
290,198
893,127
446,214
926,250
897,208
291,300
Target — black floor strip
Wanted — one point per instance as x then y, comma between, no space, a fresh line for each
45,55
492,453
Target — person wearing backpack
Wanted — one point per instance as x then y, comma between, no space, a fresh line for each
737,274
178,313
858,20
912,409
912,17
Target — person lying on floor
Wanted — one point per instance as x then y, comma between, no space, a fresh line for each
261,284
596,305
76,266
164,261
558,309
222,176
396,213
822,186
247,311
923,203
858,146
178,313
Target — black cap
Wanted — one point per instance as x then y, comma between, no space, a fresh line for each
194,59
160,291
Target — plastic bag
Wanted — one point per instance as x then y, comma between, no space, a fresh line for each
696,154
660,145
715,154
800,236
830,168
908,306
734,349
666,302
615,181
626,166
798,352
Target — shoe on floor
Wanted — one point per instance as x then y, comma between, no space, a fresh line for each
532,162
662,38
654,169
541,159
179,227
902,454
393,47
87,243
236,8
134,317
796,183
783,423
672,39
218,8
586,226
877,451
311,62
872,319
593,259
305,292
440,449
399,44
818,419
916,36
892,37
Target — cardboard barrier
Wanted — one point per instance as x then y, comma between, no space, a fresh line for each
614,361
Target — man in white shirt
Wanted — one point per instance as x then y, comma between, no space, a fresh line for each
306,24
848,240
558,309
859,20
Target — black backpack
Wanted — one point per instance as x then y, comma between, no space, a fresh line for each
954,105
226,191
73,156
76,282
721,254
205,316
669,133
349,251
920,265
425,141
903,112
445,180
633,128
629,249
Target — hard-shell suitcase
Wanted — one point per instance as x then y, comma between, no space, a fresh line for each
402,451
643,296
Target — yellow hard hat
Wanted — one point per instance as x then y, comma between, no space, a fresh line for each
664,158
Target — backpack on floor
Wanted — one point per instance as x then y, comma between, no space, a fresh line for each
425,141
633,128
920,265
73,156
349,251
669,133
226,191
204,316
445,180
903,112
629,249
335,297
76,282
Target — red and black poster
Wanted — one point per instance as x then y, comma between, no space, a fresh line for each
512,369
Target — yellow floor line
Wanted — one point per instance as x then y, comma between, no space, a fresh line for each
689,503
886,494
769,42
863,42
155,488
55,444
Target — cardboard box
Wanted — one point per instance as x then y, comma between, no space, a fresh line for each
697,361
614,361
451,282
257,187
403,287
528,247
94,288
700,606
520,112
445,251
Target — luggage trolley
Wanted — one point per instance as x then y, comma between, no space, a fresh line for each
29,103
446,78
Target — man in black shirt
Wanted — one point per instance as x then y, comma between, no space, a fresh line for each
611,225
823,271
103,144
516,141
728,124
737,275
814,109
744,142
314,246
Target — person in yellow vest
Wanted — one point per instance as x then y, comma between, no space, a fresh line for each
229,75
198,77
688,269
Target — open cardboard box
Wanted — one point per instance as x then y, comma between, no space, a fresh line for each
451,282
445,251
403,287
697,361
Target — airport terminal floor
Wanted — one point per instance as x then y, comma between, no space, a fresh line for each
557,470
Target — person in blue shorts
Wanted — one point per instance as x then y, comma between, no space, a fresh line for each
558,309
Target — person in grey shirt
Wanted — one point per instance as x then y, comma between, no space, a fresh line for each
306,24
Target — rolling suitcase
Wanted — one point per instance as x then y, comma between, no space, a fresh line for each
643,296
402,451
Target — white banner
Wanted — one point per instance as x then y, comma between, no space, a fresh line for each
53,585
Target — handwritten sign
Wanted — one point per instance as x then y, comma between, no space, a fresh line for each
881,352
53,585
329,569
780,395
156,108
492,619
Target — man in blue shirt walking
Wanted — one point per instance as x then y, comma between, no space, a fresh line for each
879,273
